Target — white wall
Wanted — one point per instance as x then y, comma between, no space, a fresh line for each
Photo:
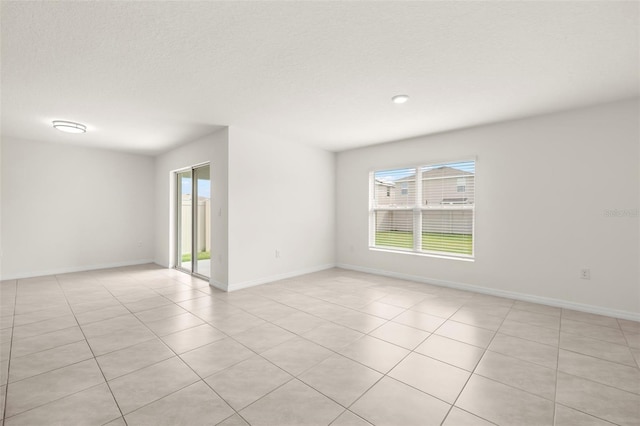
529,240
281,197
68,208
214,150
267,195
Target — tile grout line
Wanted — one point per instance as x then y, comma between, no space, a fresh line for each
177,356
255,353
402,359
90,349
54,369
555,387
48,349
296,377
385,375
594,357
6,389
157,337
293,377
62,397
160,339
598,383
387,320
495,333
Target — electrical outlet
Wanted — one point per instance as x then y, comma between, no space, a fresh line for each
585,274
139,243
277,254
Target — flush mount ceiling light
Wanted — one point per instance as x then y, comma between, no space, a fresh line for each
69,126
400,99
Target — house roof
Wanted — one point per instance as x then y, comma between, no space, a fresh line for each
384,183
445,171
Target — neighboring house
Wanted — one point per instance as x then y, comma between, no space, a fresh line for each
447,200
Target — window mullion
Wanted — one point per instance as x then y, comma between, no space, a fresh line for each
417,212
372,210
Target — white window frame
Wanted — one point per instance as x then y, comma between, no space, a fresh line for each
417,208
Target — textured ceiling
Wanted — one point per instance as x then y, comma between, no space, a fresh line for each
148,76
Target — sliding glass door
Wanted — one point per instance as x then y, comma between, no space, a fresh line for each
193,221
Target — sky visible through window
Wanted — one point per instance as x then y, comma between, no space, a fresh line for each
397,174
204,187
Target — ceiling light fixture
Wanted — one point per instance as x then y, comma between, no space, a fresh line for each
400,99
69,126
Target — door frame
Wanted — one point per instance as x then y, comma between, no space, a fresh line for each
194,219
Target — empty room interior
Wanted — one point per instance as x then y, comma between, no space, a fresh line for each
320,213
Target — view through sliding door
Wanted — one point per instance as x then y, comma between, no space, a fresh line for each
193,221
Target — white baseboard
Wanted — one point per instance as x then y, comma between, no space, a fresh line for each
69,270
252,283
216,284
633,316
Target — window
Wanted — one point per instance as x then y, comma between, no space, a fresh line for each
432,213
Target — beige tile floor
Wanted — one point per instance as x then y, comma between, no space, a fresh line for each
150,346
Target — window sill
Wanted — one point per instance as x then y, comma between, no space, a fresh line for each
437,256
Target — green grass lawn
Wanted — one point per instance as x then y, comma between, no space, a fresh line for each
448,243
202,255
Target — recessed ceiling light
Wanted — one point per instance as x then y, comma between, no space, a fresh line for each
69,126
400,99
